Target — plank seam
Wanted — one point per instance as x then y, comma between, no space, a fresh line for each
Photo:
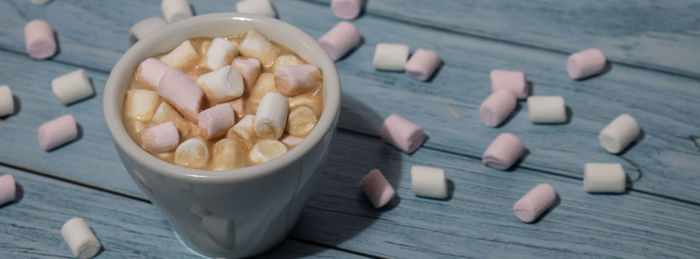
312,242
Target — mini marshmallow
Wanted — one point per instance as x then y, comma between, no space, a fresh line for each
160,138
288,60
244,130
585,63
306,100
216,120
257,7
141,104
39,39
249,69
291,141
221,85
503,151
301,121
181,57
145,27
72,87
264,85
295,80
226,154
513,81
428,182
181,92
402,133
604,178
422,64
256,45
192,153
57,132
165,113
7,189
266,150
377,189
535,202
390,57
7,102
496,108
340,40
271,117
175,10
40,2
80,238
220,53
238,107
622,131
546,109
347,9
152,70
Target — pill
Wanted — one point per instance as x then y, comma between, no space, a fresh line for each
39,39
585,63
40,2
291,141
249,69
604,178
160,138
175,10
340,40
181,57
257,7
622,131
141,104
402,133
347,9
144,27
192,153
513,81
165,113
295,80
301,121
266,150
546,109
244,130
221,85
428,182
182,93
57,132
377,189
496,108
7,189
7,103
152,70
72,87
256,45
422,64
264,85
271,116
226,154
220,53
80,238
216,120
390,57
287,60
503,151
535,202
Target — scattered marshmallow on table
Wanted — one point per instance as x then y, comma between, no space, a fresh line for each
7,189
220,53
347,9
402,133
182,56
390,57
257,7
535,202
503,151
175,10
513,81
622,131
271,117
266,150
422,64
223,84
57,132
294,80
180,91
192,153
256,45
80,238
7,102
342,38
163,137
152,70
604,178
216,120
546,109
144,27
244,130
428,182
72,87
496,108
39,39
249,69
377,189
585,63
141,104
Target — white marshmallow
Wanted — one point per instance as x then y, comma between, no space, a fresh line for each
226,154
622,131
141,104
257,7
181,57
546,109
221,85
271,116
244,130
301,121
390,57
287,60
72,87
306,100
80,238
264,85
175,10
145,27
192,153
256,45
220,53
604,178
7,102
165,113
266,150
428,182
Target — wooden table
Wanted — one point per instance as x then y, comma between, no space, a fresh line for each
653,47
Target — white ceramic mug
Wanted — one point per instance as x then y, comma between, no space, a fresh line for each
231,213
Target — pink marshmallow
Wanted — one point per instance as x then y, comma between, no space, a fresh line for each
39,39
152,70
422,64
57,132
535,202
291,141
160,138
294,80
377,188
497,107
402,133
340,40
216,120
181,92
503,151
585,63
7,188
513,81
347,9
249,68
